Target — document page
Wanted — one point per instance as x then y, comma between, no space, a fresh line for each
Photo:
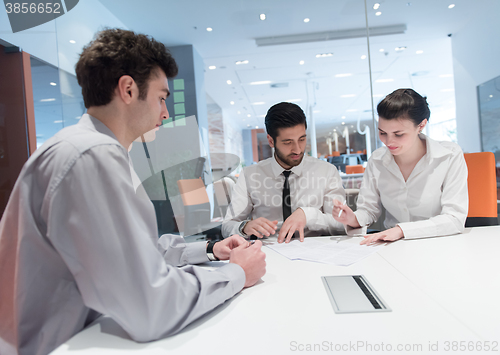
339,251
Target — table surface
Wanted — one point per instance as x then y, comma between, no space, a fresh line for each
444,294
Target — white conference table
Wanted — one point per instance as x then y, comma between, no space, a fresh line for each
444,294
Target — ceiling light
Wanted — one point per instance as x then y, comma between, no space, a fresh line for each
232,103
262,17
47,100
378,13
343,123
229,82
363,56
352,110
323,55
239,62
239,112
53,84
260,82
381,49
72,41
316,111
257,127
212,67
419,52
259,103
301,62
249,115
384,80
330,35
348,95
343,117
376,6
398,49
294,100
491,96
306,20
59,121
343,75
451,6
209,29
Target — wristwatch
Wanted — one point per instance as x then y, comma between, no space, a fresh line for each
242,227
210,251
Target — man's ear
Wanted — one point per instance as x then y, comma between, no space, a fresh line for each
126,88
270,140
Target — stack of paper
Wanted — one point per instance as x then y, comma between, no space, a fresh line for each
331,251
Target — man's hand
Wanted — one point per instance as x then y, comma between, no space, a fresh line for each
295,222
252,259
223,248
260,227
347,217
389,235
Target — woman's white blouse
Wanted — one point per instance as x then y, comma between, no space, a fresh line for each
432,202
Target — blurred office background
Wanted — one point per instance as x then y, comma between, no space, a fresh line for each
335,59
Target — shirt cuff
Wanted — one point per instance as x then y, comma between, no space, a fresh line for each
236,274
195,253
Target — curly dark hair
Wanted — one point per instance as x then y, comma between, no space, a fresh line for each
404,103
114,53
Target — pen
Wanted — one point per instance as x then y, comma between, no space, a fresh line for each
341,209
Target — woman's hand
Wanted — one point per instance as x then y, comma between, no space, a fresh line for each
347,217
389,235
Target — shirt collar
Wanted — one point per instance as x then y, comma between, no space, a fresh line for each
278,169
95,124
434,150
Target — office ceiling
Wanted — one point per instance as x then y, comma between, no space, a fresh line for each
332,89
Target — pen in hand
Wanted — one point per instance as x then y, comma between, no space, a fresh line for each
342,209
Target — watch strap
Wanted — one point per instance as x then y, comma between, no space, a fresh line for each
210,251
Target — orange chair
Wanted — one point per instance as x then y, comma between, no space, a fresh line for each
354,169
335,154
482,186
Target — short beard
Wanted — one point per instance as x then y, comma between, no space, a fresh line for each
288,161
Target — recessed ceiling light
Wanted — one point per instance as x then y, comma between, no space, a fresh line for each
257,127
348,95
343,117
363,56
352,110
381,49
384,80
316,111
343,123
378,13
212,67
232,103
72,41
491,96
47,100
301,62
323,55
262,17
260,82
78,117
229,82
398,49
376,6
239,112
249,115
59,121
53,84
451,6
419,52
306,20
258,103
239,62
344,75
209,29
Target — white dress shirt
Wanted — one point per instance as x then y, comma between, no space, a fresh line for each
313,186
432,202
76,241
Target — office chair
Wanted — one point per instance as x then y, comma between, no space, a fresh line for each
482,186
223,189
354,169
197,209
335,154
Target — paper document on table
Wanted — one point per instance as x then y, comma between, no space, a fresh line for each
327,252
